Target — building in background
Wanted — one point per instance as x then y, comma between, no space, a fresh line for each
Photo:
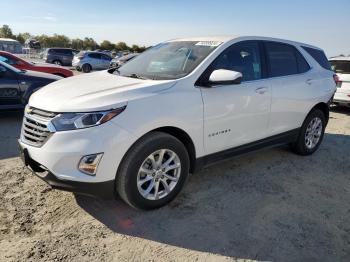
10,45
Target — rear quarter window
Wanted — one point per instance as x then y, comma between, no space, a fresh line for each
319,56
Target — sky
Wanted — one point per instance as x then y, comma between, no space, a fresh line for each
318,22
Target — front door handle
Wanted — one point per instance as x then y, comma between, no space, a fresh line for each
261,90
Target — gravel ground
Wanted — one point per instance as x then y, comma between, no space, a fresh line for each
268,205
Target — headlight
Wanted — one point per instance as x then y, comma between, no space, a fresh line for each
71,121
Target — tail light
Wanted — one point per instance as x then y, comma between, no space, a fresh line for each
337,80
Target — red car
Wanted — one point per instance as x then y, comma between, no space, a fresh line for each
21,64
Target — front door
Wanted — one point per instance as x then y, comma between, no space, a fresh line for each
237,114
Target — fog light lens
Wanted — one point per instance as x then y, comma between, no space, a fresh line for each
88,164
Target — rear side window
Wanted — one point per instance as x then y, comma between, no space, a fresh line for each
106,57
95,56
62,51
341,67
319,56
284,60
303,66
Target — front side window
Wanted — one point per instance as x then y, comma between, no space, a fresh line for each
170,60
340,67
7,60
243,57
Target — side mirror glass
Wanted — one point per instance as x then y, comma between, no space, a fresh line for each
225,77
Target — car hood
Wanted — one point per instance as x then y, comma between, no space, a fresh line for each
94,92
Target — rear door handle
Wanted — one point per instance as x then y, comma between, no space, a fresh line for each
261,90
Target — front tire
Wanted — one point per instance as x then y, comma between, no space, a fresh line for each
86,68
311,133
153,171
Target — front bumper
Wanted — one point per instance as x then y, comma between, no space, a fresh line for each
104,190
56,161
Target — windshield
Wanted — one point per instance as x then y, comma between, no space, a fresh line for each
341,67
170,60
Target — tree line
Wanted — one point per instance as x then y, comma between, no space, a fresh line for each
58,40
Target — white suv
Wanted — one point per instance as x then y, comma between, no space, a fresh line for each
139,130
341,65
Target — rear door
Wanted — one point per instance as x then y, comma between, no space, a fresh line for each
294,85
105,61
67,56
9,88
95,61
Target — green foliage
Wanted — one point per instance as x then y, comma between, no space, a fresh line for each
57,40
22,37
6,32
107,45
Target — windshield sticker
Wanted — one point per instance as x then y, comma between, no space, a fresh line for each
208,43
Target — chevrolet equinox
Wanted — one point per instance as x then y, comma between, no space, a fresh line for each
140,129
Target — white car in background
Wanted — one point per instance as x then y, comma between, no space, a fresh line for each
341,66
139,130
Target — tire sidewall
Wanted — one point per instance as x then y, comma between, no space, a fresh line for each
86,68
139,156
309,118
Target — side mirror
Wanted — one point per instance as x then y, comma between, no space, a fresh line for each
225,77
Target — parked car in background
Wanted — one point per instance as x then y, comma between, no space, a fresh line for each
341,66
59,56
116,62
140,130
10,45
87,61
16,85
21,64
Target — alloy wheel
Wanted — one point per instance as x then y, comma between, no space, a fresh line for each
158,174
313,133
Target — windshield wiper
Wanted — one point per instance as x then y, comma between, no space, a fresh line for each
136,76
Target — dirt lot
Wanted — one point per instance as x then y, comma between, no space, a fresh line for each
268,205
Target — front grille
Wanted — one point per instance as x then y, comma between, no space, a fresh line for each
35,129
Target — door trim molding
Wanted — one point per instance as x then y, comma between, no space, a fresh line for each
283,138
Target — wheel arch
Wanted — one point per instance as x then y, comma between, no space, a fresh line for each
184,137
324,108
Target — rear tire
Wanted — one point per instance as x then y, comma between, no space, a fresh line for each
311,133
86,68
57,62
143,180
